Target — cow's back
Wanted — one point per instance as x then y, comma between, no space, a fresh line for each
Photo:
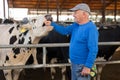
109,34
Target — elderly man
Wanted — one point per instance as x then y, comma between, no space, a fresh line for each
84,41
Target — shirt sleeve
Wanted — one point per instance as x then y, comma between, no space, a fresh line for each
92,46
62,29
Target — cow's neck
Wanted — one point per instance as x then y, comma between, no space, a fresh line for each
36,40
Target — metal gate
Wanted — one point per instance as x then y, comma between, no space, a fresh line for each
44,64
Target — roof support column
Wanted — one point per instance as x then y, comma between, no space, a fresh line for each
57,6
47,6
103,11
115,11
4,9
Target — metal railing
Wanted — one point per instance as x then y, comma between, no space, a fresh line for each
44,55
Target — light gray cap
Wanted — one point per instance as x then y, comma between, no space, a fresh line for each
81,6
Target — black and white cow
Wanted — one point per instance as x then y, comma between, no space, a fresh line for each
12,34
110,33
56,55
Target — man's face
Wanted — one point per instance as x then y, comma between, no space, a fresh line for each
78,16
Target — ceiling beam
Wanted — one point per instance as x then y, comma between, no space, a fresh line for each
63,4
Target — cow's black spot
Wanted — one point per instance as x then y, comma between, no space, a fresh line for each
18,27
30,60
14,56
7,58
13,39
16,50
21,41
28,48
25,32
20,35
6,74
11,29
30,41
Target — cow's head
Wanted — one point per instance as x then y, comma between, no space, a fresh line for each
36,27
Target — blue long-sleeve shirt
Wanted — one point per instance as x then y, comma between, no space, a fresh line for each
83,44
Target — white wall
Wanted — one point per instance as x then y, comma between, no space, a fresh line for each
18,13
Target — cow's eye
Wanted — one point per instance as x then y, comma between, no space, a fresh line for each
34,27
43,25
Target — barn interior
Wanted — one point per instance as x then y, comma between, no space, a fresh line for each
101,12
102,8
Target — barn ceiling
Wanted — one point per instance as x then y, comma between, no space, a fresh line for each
97,6
64,4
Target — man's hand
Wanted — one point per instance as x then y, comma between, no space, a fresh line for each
48,25
85,71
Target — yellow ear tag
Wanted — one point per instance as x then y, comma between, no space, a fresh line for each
22,30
